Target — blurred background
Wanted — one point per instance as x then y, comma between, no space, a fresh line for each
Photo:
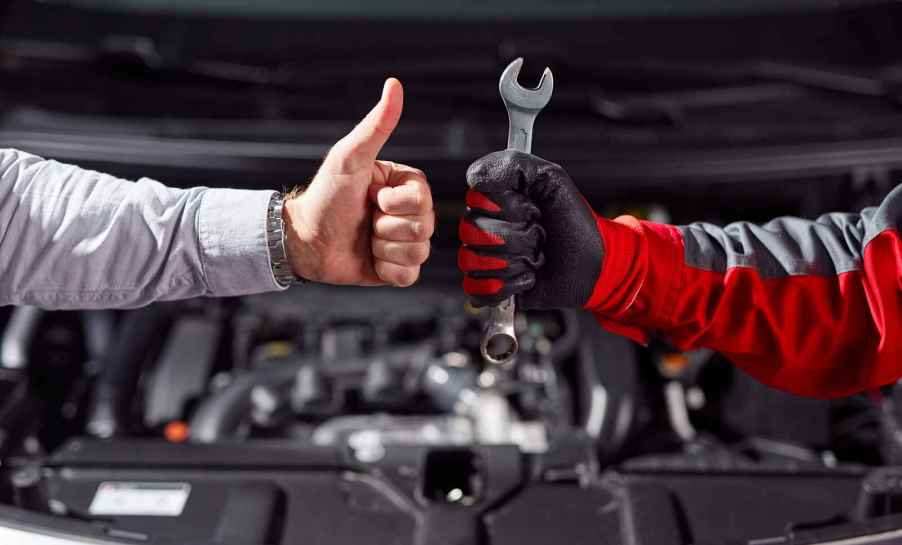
324,414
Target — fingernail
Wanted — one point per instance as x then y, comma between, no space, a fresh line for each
388,83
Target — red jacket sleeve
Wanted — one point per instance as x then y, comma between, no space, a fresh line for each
811,307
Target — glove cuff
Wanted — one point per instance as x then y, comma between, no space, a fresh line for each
639,278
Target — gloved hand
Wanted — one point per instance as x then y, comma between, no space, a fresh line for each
528,232
362,220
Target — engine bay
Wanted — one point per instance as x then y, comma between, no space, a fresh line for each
338,415
327,413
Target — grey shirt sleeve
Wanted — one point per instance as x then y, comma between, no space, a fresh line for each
75,238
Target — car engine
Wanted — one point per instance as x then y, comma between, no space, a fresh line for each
340,412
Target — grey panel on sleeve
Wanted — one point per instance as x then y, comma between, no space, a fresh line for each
830,245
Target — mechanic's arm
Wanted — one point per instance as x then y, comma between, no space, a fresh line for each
74,238
812,307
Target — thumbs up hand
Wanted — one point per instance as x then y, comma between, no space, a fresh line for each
361,220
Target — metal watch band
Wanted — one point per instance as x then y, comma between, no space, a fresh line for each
275,241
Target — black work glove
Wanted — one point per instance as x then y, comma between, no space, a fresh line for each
527,232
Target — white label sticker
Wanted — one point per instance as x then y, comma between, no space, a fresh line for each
140,499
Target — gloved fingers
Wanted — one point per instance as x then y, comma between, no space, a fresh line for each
501,244
502,238
485,235
491,291
480,264
508,205
516,201
500,171
510,170
470,261
498,258
480,201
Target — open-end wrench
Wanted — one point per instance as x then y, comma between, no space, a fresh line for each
499,340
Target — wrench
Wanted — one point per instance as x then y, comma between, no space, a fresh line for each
499,340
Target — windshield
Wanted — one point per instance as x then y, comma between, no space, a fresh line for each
460,9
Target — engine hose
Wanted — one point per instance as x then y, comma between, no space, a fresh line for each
220,415
121,369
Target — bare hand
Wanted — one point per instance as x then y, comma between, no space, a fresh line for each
362,221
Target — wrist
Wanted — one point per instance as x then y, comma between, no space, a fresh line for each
298,240
622,265
276,239
640,272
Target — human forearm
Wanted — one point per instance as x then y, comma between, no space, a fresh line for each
812,307
73,238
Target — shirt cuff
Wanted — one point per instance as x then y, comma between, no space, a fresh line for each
231,230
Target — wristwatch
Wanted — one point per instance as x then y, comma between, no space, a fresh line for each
275,242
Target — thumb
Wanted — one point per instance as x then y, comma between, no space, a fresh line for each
363,144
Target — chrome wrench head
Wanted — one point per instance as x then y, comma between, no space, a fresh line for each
523,105
499,341
515,95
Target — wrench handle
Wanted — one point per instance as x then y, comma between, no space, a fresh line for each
519,132
499,339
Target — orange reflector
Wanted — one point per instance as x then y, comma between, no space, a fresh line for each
176,431
673,364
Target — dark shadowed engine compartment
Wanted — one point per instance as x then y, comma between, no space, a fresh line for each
327,414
